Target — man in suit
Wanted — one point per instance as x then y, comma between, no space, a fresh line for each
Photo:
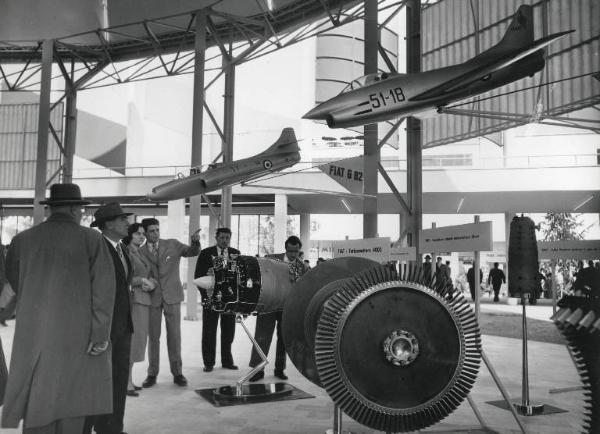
496,278
210,318
164,256
113,223
65,281
266,323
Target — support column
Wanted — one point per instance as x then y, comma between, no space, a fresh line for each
414,139
280,223
508,216
196,160
176,223
213,224
371,149
305,233
70,133
41,168
228,132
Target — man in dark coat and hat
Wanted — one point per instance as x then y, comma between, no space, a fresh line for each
113,223
64,279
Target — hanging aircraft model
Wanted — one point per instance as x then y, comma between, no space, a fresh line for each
381,96
282,154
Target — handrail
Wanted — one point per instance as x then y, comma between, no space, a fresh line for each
437,162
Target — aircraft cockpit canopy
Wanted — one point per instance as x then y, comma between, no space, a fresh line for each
365,80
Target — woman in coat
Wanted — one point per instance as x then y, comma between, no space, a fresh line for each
141,286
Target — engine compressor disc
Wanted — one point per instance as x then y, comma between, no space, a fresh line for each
395,354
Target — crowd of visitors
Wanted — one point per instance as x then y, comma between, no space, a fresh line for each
71,373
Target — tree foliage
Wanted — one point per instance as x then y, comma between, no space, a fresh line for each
559,226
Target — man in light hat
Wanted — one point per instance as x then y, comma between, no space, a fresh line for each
64,279
113,223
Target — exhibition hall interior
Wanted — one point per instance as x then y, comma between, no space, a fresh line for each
285,205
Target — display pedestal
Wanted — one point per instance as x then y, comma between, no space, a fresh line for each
242,393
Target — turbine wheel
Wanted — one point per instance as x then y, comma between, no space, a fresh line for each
397,353
295,310
578,322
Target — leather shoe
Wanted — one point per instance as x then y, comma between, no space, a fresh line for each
180,380
232,366
149,381
208,369
280,374
258,376
132,393
137,388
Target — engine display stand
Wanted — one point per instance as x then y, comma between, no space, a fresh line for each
251,393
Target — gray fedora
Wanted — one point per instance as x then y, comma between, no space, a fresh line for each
107,212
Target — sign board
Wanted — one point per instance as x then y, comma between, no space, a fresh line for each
377,249
348,173
569,249
403,254
460,238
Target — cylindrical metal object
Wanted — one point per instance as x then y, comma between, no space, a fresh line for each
525,385
522,259
245,284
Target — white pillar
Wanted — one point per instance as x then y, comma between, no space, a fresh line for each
213,224
175,219
280,223
305,234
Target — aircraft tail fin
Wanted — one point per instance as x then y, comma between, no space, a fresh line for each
520,31
286,142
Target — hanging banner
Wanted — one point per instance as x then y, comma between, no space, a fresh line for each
569,249
403,254
377,249
460,238
348,173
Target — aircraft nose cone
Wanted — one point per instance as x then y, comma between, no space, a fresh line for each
317,113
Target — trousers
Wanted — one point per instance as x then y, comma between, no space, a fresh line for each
265,326
172,313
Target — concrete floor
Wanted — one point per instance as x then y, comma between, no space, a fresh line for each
166,408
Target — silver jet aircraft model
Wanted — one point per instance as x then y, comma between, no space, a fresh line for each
382,96
282,154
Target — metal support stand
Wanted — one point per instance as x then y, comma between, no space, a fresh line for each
264,362
248,393
526,408
337,421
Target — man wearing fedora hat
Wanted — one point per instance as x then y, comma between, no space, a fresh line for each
113,223
65,281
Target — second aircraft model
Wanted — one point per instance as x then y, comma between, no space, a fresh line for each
382,96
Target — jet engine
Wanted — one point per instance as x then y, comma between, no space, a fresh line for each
395,351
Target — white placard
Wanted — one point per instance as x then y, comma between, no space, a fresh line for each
460,238
377,249
569,249
403,254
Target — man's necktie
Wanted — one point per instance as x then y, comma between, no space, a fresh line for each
122,257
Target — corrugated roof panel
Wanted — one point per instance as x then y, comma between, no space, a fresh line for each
448,38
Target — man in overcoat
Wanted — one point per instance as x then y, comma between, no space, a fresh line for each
210,318
164,256
64,279
113,223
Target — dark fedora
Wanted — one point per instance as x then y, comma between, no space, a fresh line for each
65,194
107,212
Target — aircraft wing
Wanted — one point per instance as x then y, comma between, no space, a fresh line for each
485,70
